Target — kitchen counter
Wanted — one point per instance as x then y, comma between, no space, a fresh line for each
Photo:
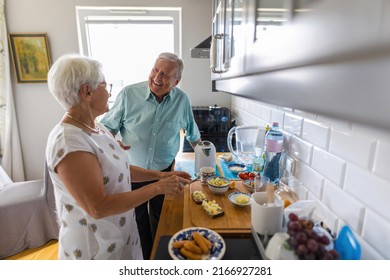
176,215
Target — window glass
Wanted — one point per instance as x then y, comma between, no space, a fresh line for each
127,42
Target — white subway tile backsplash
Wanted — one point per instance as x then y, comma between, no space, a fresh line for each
266,113
374,192
254,108
293,124
376,231
277,116
312,180
335,123
352,147
305,114
301,149
344,166
382,158
328,165
336,199
316,133
368,252
325,214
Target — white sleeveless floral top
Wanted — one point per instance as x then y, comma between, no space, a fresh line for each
81,236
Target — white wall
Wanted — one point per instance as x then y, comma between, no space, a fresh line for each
344,166
38,112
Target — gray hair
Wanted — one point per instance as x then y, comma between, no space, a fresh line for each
174,58
68,73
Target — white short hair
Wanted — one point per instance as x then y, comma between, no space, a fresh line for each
68,73
174,58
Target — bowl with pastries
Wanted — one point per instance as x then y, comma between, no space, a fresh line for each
218,184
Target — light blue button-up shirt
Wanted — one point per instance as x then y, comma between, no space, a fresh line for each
152,129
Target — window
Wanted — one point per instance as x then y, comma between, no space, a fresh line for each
127,40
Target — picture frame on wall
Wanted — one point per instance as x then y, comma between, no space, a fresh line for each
31,56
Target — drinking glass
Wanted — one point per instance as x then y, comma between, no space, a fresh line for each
261,183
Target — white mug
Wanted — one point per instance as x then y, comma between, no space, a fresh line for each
266,219
205,173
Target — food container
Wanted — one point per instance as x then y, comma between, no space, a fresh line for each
218,185
266,218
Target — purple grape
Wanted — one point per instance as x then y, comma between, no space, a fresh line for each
334,254
309,232
324,240
301,237
293,217
294,225
301,250
312,245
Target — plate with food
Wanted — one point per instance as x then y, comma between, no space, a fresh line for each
198,197
196,243
240,198
212,208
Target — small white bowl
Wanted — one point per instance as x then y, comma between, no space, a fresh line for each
233,198
249,184
236,167
217,188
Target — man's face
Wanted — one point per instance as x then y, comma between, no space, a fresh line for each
162,78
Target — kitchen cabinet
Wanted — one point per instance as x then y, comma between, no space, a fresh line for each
324,56
228,38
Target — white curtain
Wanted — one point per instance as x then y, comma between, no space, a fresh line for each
10,150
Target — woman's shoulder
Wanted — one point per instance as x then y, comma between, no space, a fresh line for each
66,135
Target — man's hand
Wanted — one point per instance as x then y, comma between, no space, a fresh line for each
123,146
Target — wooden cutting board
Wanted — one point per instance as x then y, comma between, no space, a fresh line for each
235,218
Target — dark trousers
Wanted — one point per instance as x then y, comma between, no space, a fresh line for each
147,217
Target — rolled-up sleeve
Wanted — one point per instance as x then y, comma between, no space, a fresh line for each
113,119
191,130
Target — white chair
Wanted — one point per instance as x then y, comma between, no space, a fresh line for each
27,214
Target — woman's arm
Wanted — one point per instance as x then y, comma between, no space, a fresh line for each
139,174
82,175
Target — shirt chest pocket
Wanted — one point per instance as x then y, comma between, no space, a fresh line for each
169,132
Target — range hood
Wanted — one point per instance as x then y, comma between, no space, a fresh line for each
202,50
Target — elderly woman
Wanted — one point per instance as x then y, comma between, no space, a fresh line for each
91,172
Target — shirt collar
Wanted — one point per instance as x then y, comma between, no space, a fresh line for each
169,96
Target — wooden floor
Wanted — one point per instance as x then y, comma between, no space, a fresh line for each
49,251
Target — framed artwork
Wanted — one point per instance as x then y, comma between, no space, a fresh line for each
31,56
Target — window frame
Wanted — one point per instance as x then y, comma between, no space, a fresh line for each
118,14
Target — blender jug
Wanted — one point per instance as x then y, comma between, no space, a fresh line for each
205,155
249,142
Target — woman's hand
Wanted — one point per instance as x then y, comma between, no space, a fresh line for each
172,184
181,174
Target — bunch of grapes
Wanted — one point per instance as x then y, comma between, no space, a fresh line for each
306,242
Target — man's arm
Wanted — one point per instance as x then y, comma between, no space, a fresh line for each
193,144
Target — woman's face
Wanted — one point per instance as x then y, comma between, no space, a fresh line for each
162,78
100,98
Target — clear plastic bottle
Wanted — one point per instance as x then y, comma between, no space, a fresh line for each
273,151
258,161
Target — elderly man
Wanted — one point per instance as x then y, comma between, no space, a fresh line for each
149,116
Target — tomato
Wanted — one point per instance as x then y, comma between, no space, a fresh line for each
246,175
